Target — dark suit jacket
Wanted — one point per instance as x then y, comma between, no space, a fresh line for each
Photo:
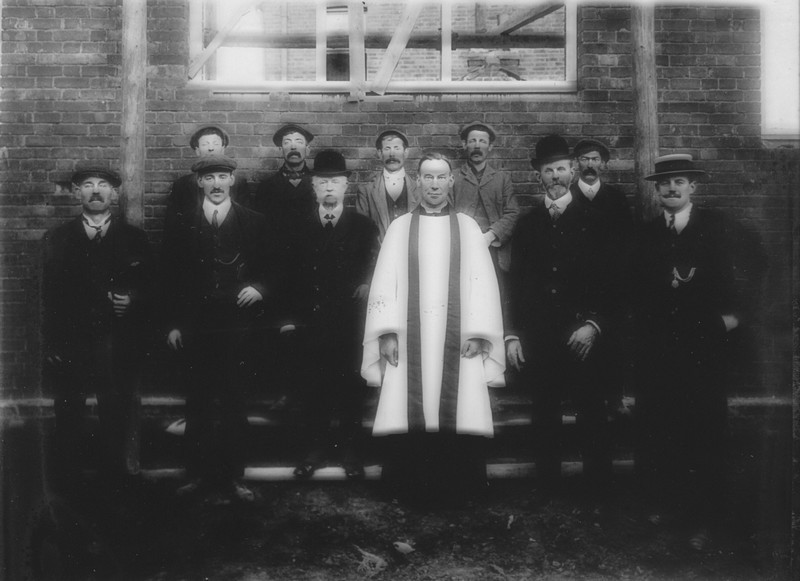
328,269
185,259
557,279
76,308
185,197
687,317
613,207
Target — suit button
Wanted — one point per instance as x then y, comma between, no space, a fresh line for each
555,269
553,291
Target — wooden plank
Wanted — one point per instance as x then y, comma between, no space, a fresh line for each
396,46
134,83
524,18
197,63
645,144
358,59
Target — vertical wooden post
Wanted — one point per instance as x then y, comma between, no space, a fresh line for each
134,80
645,99
358,65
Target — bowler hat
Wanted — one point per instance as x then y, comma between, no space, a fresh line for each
550,148
214,163
477,126
330,163
291,128
588,145
95,169
675,164
194,141
390,133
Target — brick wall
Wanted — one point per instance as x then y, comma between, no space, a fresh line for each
61,102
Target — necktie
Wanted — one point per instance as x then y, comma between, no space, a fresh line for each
98,236
554,212
672,229
214,221
329,223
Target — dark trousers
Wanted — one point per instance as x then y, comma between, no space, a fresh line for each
113,376
554,377
216,436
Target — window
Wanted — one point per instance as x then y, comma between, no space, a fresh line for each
377,47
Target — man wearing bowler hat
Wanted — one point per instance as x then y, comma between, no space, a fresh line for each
218,293
392,192
486,194
97,288
686,306
329,282
185,196
556,315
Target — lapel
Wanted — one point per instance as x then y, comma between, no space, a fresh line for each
379,196
413,193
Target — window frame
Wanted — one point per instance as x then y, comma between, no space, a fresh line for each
358,87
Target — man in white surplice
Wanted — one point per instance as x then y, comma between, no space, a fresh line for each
434,343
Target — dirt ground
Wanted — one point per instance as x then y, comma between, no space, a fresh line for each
347,531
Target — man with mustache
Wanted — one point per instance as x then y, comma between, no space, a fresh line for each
185,196
218,292
591,189
433,344
328,285
392,192
97,290
486,194
686,307
556,317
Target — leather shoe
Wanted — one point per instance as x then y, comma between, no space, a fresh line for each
304,471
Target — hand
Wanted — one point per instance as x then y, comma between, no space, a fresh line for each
472,347
387,345
361,293
581,341
287,329
731,322
175,340
121,302
247,297
489,237
514,354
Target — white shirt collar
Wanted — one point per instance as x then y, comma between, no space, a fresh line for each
561,203
335,212
681,217
589,191
399,175
92,231
222,210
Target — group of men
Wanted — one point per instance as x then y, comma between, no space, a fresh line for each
441,280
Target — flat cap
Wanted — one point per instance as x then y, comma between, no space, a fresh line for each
95,169
477,126
214,163
291,128
587,145
390,133
194,141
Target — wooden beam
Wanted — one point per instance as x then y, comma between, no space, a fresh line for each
524,18
134,84
446,58
197,63
358,59
645,98
396,46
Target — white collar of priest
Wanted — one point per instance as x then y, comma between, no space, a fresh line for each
443,210
222,210
681,217
561,203
325,213
589,191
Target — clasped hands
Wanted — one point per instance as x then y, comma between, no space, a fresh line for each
580,344
388,348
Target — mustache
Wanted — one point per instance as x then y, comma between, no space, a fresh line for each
391,159
217,191
293,154
589,171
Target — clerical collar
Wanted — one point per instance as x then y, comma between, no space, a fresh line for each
295,175
444,211
93,228
561,203
222,210
681,217
589,191
325,213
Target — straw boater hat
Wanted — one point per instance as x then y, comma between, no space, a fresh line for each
95,169
330,163
291,128
390,132
673,165
477,126
194,141
214,163
550,148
